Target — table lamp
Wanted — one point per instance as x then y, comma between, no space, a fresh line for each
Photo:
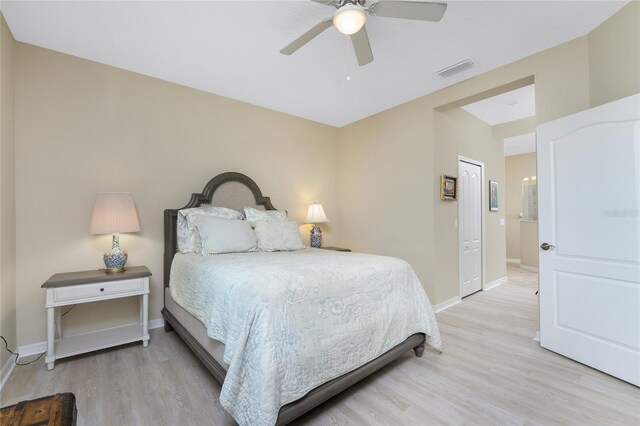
316,215
114,213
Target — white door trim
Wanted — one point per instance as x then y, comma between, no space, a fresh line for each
482,230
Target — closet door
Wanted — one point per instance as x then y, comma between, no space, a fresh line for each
470,227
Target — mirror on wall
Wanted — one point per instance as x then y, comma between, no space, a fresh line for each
529,198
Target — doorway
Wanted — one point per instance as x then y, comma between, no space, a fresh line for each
474,128
521,201
470,230
512,117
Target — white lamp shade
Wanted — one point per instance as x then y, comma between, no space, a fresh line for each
316,214
349,19
114,213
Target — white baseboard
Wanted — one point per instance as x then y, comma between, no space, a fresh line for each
7,369
495,283
510,260
528,268
32,349
40,347
447,304
156,323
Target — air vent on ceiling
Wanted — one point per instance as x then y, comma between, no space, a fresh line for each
452,69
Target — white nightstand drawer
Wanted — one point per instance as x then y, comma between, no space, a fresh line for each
99,290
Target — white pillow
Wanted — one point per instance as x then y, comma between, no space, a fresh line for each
224,235
255,215
188,235
278,236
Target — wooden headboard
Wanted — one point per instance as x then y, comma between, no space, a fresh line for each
232,190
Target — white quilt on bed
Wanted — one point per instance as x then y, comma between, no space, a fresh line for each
291,321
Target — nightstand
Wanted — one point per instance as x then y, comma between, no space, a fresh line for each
92,286
336,249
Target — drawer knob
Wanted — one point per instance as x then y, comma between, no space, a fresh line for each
102,289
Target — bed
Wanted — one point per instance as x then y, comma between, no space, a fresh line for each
197,328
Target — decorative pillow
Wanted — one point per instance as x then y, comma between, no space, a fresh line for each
188,235
278,236
224,235
255,215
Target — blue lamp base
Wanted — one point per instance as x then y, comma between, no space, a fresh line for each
316,237
115,258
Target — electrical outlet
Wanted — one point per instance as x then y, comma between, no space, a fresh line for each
501,222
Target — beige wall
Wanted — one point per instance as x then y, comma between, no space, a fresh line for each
83,127
517,167
529,243
459,133
390,162
385,187
514,128
614,56
7,193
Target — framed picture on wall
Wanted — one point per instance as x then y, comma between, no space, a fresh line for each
448,188
493,196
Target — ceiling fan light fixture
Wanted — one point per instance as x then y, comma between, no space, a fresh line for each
350,18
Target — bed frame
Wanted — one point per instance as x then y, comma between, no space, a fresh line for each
316,396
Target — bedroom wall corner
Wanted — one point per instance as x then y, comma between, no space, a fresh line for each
84,127
7,196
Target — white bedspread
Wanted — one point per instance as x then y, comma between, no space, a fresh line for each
291,321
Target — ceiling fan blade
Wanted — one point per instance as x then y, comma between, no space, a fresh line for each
327,2
360,41
307,37
419,10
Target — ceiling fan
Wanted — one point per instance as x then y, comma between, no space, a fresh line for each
351,16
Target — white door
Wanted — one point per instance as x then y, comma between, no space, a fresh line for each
470,227
589,215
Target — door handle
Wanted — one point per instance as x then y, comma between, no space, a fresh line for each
546,246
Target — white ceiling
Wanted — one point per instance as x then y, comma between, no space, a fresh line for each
231,48
509,106
521,144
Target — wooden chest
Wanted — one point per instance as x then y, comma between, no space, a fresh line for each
53,410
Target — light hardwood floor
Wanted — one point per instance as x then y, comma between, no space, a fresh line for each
491,372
